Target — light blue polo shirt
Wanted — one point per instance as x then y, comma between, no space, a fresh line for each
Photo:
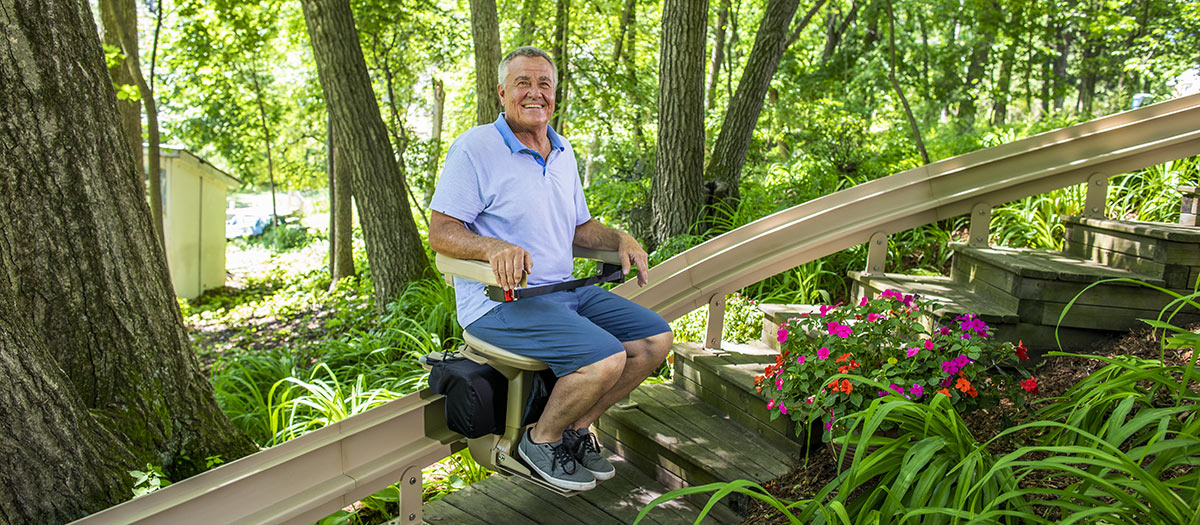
500,188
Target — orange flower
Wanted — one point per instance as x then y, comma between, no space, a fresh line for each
758,389
853,364
843,369
944,391
963,385
833,385
846,386
843,358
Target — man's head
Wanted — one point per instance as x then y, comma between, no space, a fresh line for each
528,79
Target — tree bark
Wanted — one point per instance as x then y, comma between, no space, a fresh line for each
729,152
341,216
912,121
561,33
80,259
835,30
626,20
485,33
266,128
528,24
678,172
718,55
987,22
394,248
435,140
129,110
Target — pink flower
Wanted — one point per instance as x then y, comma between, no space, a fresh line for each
929,344
863,302
810,400
832,326
829,424
800,360
872,317
945,330
782,409
912,352
844,331
779,383
782,335
916,391
896,388
825,308
770,404
823,353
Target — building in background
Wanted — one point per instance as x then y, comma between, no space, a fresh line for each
194,194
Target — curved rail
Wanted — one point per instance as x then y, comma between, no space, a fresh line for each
312,476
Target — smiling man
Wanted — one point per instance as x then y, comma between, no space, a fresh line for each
510,195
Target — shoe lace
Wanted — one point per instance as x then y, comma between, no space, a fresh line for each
582,442
563,459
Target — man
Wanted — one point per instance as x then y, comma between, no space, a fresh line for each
510,194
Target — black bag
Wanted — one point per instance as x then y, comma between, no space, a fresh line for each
476,395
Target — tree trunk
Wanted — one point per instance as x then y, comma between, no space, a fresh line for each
678,172
435,140
835,30
130,110
626,20
394,248
561,32
61,464
266,128
528,25
81,260
729,152
485,33
127,32
987,22
912,121
718,55
341,215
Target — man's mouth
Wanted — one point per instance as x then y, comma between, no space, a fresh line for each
533,106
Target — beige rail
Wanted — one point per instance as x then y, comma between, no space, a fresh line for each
312,476
1093,150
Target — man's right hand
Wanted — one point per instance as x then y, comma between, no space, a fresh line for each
510,263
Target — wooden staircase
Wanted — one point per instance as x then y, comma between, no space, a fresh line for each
1021,293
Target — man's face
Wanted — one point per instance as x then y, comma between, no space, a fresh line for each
527,92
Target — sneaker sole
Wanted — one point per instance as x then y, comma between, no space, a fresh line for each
560,483
603,476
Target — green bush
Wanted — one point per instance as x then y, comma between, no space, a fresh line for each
743,322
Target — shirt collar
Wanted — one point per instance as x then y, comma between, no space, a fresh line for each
516,146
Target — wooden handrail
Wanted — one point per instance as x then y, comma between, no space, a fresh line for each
312,476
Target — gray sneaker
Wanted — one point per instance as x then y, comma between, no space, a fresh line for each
586,449
555,464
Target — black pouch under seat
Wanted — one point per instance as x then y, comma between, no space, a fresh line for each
476,395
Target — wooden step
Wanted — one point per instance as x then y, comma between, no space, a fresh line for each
501,499
725,379
1167,251
681,440
774,315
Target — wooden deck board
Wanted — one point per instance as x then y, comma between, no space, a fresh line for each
535,508
448,514
584,511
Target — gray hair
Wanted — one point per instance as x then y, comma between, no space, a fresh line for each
524,51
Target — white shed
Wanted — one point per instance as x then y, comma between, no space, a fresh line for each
194,220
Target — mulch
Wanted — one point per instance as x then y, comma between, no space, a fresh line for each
1055,376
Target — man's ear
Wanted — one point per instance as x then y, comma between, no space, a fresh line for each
500,91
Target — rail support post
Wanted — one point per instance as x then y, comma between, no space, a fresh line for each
981,223
877,247
1097,195
715,323
410,496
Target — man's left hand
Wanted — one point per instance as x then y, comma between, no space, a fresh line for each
632,254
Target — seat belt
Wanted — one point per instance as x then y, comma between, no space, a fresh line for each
609,273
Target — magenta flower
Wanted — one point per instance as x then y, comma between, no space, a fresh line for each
872,317
782,409
825,308
916,391
829,424
896,388
779,383
770,404
823,353
863,302
844,331
912,352
929,344
800,360
832,326
782,335
810,400
945,330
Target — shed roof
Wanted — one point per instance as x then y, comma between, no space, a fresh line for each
206,167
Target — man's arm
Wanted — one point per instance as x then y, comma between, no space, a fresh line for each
448,236
595,235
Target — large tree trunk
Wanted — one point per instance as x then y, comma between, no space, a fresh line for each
130,110
678,172
485,33
718,55
435,140
729,152
562,26
81,261
341,216
394,248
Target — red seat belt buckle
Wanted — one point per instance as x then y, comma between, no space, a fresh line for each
508,295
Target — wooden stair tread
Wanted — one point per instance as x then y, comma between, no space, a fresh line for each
1047,264
955,297
1158,230
501,499
780,313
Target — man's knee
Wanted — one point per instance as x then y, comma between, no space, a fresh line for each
654,347
606,370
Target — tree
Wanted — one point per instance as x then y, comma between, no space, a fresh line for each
678,172
485,33
394,248
912,121
718,55
341,220
99,372
128,105
562,21
729,152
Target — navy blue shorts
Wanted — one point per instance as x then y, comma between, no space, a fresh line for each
570,329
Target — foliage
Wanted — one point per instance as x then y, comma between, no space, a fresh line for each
884,340
743,322
149,480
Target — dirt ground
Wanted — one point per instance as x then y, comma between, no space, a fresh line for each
1055,376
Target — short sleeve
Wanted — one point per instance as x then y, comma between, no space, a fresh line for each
582,214
458,193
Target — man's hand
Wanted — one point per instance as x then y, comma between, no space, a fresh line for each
509,263
631,253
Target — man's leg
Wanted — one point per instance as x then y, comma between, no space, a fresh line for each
642,358
575,394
